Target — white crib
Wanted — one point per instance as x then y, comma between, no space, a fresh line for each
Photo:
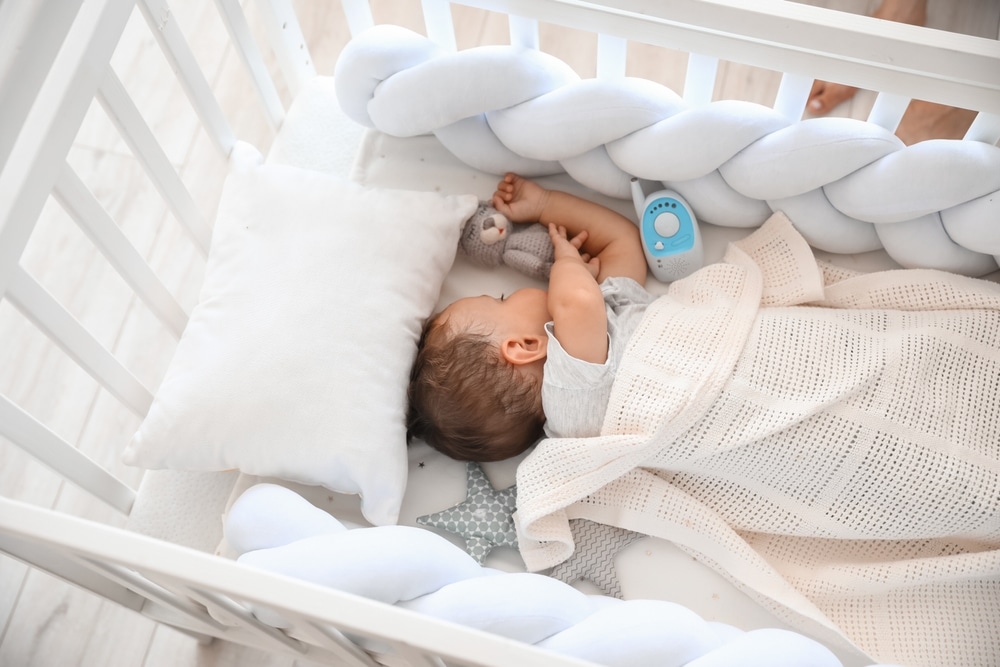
139,548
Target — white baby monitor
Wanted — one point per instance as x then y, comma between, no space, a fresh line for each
669,231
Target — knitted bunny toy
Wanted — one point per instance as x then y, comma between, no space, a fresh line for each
490,239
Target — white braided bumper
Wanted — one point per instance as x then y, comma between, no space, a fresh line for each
849,186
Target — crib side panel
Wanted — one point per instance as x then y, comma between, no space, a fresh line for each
51,150
215,597
800,39
104,228
28,177
41,25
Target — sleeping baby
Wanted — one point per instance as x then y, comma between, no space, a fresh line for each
477,391
778,376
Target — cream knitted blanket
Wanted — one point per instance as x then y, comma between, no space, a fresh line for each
828,441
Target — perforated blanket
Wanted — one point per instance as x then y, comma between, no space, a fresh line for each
828,441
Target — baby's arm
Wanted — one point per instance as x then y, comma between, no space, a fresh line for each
612,239
575,302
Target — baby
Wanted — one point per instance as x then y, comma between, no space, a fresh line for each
492,375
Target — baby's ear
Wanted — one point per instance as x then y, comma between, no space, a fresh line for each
520,350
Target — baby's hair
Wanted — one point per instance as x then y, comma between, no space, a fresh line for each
467,401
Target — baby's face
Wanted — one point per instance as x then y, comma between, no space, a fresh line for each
524,312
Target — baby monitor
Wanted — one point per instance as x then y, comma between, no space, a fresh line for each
669,231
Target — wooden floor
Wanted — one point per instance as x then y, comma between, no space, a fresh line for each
44,622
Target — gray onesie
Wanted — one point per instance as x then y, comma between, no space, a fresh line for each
575,393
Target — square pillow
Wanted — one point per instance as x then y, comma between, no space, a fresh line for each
295,362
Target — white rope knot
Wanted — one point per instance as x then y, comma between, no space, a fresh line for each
849,185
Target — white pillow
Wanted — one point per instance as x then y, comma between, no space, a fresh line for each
295,361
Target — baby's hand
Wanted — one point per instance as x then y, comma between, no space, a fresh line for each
568,249
519,199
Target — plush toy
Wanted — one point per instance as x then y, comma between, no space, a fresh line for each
490,239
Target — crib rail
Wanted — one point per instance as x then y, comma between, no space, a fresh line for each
214,597
811,42
49,88
901,62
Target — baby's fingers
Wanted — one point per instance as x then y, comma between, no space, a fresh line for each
593,266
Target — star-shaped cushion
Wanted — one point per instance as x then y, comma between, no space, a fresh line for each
483,519
593,558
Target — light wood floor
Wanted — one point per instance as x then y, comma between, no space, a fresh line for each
44,622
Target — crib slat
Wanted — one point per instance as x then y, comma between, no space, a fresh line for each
699,80
611,55
334,641
438,23
59,325
78,201
330,639
358,14
178,53
523,31
937,66
235,614
240,615
793,93
122,111
184,606
415,657
38,440
888,110
285,34
49,131
60,564
239,32
30,36
154,591
985,128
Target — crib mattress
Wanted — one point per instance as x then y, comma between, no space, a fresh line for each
187,508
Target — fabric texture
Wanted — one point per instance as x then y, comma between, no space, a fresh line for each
483,519
593,559
839,461
294,363
574,392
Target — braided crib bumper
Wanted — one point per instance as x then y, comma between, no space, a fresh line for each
850,186
273,528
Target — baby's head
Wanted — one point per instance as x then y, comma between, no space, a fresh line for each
475,388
